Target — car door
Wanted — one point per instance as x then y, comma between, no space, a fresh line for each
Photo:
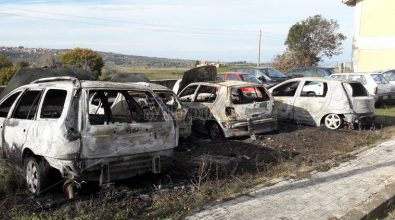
284,97
5,109
311,101
16,127
202,105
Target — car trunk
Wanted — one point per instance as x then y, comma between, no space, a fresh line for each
360,100
250,102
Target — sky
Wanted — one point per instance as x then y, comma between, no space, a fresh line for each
215,30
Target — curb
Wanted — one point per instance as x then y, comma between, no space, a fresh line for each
374,207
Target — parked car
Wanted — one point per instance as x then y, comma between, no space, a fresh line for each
85,130
310,72
176,108
334,105
230,108
269,76
238,76
375,83
390,76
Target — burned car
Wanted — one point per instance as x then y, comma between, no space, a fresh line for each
322,101
86,130
229,109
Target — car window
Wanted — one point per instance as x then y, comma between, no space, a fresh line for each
27,106
6,105
169,99
340,77
288,89
357,89
221,77
358,78
248,95
390,75
207,94
121,106
187,94
250,78
314,89
53,103
232,77
379,79
271,72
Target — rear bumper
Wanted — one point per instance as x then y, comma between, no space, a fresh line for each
117,168
246,128
358,118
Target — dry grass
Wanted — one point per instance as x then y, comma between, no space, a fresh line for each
150,73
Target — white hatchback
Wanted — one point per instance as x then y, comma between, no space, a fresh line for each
375,83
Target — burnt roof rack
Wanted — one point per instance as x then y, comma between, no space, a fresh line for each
74,80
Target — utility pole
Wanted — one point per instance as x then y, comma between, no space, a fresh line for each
259,49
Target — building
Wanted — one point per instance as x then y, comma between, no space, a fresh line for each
374,36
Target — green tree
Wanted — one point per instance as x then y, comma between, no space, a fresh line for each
84,58
314,38
5,62
6,74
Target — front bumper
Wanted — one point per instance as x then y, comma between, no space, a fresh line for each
247,128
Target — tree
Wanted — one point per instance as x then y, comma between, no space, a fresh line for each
314,38
84,58
6,74
5,62
22,64
285,61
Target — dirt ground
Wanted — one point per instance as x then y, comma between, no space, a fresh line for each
203,171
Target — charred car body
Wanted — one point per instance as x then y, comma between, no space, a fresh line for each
316,101
230,108
87,130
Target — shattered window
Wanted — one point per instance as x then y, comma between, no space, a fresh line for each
53,103
357,89
379,79
207,94
122,106
314,89
288,89
27,106
248,95
187,94
6,105
169,99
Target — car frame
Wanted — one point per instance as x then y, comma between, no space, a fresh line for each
216,108
302,72
269,76
341,102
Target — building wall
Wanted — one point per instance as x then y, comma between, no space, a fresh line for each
374,37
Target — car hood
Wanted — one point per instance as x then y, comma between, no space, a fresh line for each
198,74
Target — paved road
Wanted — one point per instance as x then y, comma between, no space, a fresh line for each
336,193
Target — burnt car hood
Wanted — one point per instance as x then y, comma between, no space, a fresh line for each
198,74
27,75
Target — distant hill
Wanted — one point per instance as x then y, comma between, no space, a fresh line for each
42,56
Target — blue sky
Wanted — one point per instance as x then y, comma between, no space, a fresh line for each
224,30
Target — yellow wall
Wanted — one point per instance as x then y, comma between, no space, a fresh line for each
375,60
377,18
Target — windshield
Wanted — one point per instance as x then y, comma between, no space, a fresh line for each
273,73
248,95
379,79
250,78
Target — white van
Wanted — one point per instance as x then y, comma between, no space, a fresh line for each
375,83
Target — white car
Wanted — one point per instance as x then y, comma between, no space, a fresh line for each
390,76
375,83
339,103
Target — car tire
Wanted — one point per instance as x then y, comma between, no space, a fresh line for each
36,174
333,121
215,131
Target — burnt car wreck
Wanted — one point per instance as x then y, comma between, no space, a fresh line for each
87,130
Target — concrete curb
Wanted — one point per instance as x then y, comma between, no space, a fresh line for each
373,207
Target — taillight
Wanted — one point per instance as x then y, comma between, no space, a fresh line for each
230,111
376,90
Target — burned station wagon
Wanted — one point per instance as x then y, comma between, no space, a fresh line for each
229,109
86,130
322,101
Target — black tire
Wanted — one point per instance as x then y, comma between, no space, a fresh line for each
36,174
215,131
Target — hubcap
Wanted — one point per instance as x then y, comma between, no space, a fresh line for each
333,121
32,176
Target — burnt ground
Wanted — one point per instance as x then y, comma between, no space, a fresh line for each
203,171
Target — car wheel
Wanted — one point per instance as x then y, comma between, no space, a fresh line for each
36,174
215,131
333,121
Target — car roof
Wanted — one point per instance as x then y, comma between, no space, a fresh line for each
225,83
234,73
358,73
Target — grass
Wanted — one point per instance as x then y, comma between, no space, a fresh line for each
150,73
